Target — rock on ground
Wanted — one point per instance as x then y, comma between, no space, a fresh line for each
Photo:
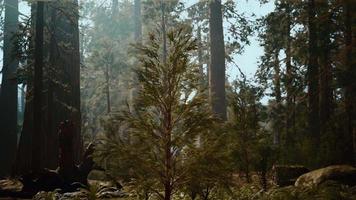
343,174
11,185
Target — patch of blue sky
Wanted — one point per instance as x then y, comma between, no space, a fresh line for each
248,60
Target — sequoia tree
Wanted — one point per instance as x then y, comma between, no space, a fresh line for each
37,137
217,62
60,94
65,63
312,78
349,85
8,95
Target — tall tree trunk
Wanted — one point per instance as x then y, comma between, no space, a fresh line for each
114,10
8,95
312,77
63,101
37,137
278,94
350,88
107,78
138,21
217,65
325,77
73,66
63,97
24,150
51,131
200,57
138,39
208,64
22,103
289,80
167,120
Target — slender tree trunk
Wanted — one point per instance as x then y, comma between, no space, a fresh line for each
289,81
350,89
107,77
326,93
217,67
37,137
168,188
202,85
200,57
138,21
167,120
208,67
278,94
313,79
115,8
22,100
8,95
138,39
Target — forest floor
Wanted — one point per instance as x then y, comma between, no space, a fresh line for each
334,182
328,190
